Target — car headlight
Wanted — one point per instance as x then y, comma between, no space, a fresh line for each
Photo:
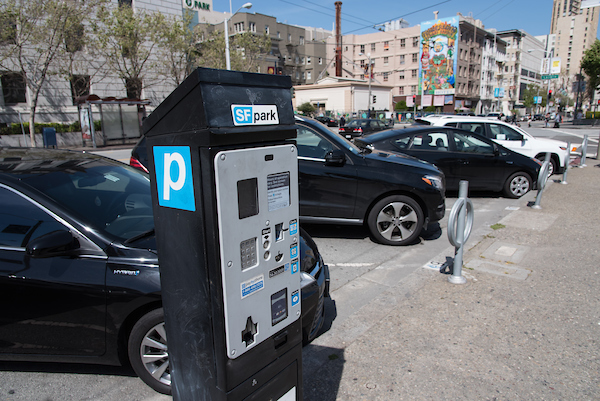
434,181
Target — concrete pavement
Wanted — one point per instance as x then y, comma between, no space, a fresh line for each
525,326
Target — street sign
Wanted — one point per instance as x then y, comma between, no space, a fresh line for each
550,76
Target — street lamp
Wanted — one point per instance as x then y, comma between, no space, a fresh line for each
227,58
370,74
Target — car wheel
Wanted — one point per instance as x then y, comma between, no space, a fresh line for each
552,165
148,353
396,220
517,185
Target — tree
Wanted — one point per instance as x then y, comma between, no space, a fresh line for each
32,38
590,63
177,46
245,50
306,108
126,40
401,106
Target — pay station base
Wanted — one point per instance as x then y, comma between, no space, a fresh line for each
280,380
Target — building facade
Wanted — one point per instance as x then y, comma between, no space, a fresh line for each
575,30
522,67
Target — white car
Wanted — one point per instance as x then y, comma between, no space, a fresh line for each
507,135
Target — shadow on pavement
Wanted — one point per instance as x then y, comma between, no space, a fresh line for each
322,369
71,368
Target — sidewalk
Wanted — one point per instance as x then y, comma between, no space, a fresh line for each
525,326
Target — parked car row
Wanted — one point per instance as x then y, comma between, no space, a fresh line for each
509,136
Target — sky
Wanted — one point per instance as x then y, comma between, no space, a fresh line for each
359,17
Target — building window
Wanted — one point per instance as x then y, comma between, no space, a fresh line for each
401,90
413,89
385,76
402,59
415,57
362,49
416,41
301,40
401,76
80,86
320,60
386,61
308,75
386,45
252,27
307,60
238,27
402,43
372,47
278,35
413,73
302,60
13,88
267,29
289,37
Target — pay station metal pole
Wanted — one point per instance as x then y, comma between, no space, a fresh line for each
460,223
542,179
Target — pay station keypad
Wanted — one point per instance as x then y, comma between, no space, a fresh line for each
248,253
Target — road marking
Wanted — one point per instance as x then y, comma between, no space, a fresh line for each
350,264
590,139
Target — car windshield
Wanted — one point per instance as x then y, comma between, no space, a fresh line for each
109,197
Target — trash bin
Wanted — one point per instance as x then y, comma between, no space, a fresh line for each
49,135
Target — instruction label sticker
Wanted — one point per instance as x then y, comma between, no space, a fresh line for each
278,191
253,285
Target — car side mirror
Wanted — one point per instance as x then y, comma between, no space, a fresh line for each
55,243
335,158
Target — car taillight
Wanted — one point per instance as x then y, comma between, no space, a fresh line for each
133,162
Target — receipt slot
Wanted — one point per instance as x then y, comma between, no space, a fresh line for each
224,173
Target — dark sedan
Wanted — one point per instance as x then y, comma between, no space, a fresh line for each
78,266
328,121
361,127
462,155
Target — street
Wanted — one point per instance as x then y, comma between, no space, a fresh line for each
361,271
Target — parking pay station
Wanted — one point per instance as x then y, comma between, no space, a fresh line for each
224,175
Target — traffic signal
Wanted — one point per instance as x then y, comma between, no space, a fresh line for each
374,99
414,98
549,94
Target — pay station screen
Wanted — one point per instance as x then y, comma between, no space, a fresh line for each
257,206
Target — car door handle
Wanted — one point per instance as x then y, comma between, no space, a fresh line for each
463,161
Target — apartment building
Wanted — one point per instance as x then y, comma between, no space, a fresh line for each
575,29
297,51
522,67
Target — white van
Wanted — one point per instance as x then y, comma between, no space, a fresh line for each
507,135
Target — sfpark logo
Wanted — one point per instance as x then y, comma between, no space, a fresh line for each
244,114
174,181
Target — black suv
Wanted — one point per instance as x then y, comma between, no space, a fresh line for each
395,195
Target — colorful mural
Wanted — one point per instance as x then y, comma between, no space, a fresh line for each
438,56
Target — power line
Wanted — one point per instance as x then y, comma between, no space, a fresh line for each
402,16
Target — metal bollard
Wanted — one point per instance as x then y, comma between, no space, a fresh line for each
583,151
566,166
598,148
542,179
460,224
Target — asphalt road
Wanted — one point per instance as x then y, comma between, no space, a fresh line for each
361,270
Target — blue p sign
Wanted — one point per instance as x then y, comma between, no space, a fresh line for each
174,181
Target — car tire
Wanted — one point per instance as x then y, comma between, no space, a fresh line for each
552,167
148,353
396,220
517,185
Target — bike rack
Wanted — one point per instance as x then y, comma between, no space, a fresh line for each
460,224
542,180
566,166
